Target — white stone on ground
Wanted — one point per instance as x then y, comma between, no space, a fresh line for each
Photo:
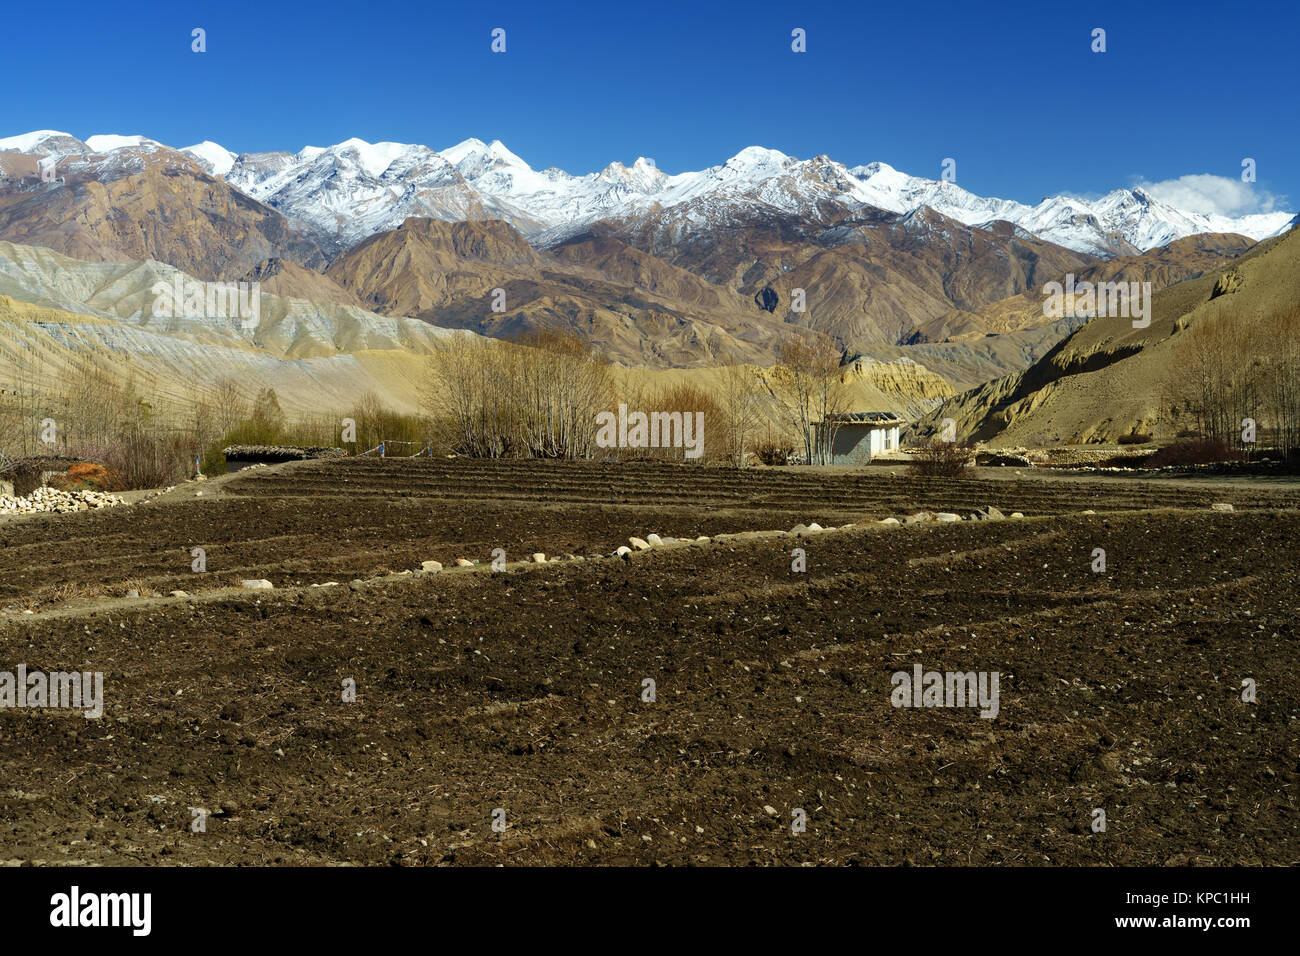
53,500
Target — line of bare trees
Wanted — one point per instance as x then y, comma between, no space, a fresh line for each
143,440
1243,367
535,398
539,397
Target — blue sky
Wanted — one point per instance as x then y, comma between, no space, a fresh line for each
1011,89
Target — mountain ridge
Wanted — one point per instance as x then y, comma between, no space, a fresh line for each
355,188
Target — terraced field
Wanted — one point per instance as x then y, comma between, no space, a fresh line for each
521,696
659,484
314,522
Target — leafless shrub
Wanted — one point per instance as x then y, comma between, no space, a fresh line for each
773,453
941,459
1200,451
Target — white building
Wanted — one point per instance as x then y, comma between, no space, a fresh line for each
858,437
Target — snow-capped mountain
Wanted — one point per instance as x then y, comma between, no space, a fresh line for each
216,159
355,189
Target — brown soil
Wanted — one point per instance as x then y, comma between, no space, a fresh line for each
522,690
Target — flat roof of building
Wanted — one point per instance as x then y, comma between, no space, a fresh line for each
864,418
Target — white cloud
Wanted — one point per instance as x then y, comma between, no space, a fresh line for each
1209,194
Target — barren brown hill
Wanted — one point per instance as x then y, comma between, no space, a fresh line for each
636,309
290,280
869,279
425,264
719,291
607,259
1162,267
1109,379
152,204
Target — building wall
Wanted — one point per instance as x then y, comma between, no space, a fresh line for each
854,445
858,444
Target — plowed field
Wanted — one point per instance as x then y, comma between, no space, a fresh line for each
521,696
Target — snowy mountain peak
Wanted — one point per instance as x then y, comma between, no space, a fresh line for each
375,158
469,147
42,142
497,150
474,158
213,157
642,175
107,142
756,157
873,169
356,188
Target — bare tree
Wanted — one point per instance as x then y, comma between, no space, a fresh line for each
738,395
561,384
229,405
808,387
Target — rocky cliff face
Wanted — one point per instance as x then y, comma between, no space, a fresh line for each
902,386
